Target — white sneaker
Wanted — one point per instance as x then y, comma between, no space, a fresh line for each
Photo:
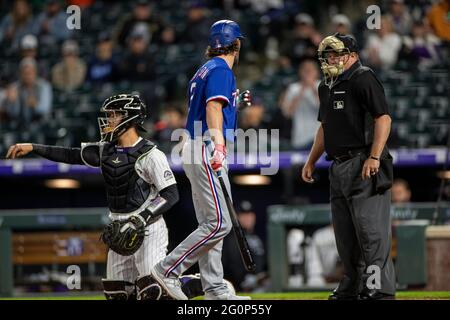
230,287
225,296
172,285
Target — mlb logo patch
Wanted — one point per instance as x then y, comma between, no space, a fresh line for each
338,105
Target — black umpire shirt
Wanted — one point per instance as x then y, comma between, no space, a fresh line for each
348,109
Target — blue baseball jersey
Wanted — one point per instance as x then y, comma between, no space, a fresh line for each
213,81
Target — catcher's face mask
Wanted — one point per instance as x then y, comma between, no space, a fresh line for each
113,125
121,112
331,54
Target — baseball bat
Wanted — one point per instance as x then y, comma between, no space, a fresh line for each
244,249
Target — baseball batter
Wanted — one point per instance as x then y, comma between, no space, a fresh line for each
212,109
140,187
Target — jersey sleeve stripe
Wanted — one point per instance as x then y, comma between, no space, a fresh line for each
218,97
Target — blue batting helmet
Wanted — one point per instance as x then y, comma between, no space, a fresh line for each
223,33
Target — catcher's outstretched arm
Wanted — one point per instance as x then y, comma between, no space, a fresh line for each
60,154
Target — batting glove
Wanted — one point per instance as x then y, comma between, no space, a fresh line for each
244,99
219,155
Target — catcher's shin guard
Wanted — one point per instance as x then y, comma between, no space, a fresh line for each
117,290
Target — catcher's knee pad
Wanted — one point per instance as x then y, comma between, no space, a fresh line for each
118,290
149,289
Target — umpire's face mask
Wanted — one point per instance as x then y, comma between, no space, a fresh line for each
331,55
332,65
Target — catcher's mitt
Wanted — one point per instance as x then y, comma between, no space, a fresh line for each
124,237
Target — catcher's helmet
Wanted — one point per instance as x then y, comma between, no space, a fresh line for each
122,112
223,33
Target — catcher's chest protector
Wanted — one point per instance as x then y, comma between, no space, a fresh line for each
125,190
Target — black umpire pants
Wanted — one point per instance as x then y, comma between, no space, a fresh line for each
362,226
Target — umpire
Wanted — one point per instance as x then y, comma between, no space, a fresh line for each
355,125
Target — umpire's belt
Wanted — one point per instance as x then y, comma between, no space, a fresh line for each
350,154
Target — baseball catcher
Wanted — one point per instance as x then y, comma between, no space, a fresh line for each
140,187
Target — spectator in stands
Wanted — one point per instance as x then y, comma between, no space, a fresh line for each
232,263
137,64
382,47
197,25
51,23
169,50
341,24
253,117
168,36
29,46
81,3
16,24
439,20
69,74
142,13
263,7
401,192
301,104
103,65
172,118
266,23
423,46
30,98
303,42
399,17
3,95
29,49
282,123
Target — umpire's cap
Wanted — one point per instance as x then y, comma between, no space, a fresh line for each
223,33
348,41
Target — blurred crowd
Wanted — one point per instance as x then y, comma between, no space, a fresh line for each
53,79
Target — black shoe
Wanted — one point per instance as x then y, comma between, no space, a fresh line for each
340,296
375,295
